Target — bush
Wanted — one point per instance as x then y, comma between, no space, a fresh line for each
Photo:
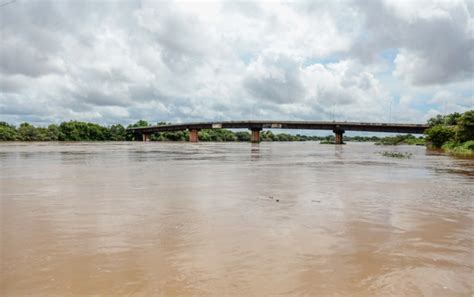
7,132
27,132
465,127
439,134
242,136
466,148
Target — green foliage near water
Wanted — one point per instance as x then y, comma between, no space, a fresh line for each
361,138
217,135
401,139
464,148
66,131
83,131
440,134
398,155
448,120
454,133
326,141
7,132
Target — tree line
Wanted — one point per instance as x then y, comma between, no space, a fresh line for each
445,131
66,131
84,131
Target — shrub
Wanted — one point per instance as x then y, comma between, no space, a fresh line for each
439,134
465,127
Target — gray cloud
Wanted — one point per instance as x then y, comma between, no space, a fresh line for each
122,61
435,41
17,57
275,80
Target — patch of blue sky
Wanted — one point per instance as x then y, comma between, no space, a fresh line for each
248,57
423,105
324,60
389,56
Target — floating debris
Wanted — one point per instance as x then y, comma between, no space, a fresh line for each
396,154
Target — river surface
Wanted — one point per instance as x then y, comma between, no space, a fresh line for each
234,219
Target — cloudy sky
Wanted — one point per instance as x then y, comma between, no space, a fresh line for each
117,62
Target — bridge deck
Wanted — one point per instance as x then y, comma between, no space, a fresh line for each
300,125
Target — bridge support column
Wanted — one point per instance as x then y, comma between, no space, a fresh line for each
255,135
193,135
145,137
339,138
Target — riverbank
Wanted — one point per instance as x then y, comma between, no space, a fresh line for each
459,149
453,133
402,139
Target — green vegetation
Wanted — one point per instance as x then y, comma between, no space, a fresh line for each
361,138
449,120
401,139
399,155
464,148
440,134
66,131
218,135
7,132
453,133
83,131
327,141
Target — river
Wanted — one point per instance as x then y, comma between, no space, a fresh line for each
234,219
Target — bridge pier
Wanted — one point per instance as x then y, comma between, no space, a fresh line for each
145,137
339,136
255,135
193,135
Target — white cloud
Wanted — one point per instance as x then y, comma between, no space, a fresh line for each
434,39
119,62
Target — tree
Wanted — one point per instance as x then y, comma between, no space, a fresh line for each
452,119
70,131
96,132
27,132
204,135
140,123
7,132
267,136
176,136
242,136
117,133
437,120
81,131
54,132
439,134
465,127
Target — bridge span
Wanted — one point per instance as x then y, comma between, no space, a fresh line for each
143,133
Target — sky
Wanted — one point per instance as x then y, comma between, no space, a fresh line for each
117,62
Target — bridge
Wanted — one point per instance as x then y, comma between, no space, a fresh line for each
144,133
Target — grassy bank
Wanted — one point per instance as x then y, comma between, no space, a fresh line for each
462,149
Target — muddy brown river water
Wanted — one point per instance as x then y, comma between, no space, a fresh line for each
234,219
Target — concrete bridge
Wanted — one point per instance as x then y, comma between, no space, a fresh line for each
143,133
